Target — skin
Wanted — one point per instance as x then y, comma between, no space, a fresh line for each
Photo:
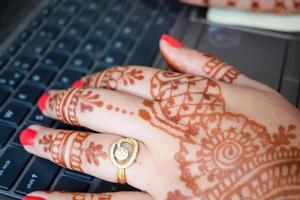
273,6
204,132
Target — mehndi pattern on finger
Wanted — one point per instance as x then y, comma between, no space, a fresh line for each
216,69
255,4
94,152
71,143
66,103
222,155
113,77
231,3
91,196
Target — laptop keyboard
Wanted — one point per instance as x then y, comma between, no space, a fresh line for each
66,40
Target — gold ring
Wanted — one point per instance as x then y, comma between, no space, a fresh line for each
123,153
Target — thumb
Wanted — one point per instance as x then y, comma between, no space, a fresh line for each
186,60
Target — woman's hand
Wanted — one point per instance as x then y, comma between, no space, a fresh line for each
278,6
207,132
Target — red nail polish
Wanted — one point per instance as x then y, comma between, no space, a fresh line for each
42,101
172,41
78,84
27,137
33,198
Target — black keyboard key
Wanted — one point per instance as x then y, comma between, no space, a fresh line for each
112,19
12,163
55,60
101,66
35,23
39,176
38,118
13,48
102,32
121,6
23,63
78,174
68,77
140,14
49,32
28,93
122,44
131,30
45,12
4,95
25,35
71,185
3,60
14,113
60,19
92,47
37,46
95,6
42,76
67,45
5,134
77,30
11,78
113,57
87,17
105,186
81,61
70,7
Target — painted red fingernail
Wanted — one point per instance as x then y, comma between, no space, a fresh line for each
42,101
33,198
78,84
27,137
172,41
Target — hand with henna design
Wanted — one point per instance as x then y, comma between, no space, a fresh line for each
206,131
274,6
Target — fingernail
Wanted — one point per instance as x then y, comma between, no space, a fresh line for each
78,84
42,101
172,41
33,198
27,137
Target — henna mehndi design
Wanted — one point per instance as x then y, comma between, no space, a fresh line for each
215,68
231,3
81,196
113,77
222,155
255,4
56,147
66,102
94,152
177,195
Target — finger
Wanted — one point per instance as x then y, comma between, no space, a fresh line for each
190,61
133,80
87,196
287,6
84,152
97,109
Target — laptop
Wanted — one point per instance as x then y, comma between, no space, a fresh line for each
47,44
